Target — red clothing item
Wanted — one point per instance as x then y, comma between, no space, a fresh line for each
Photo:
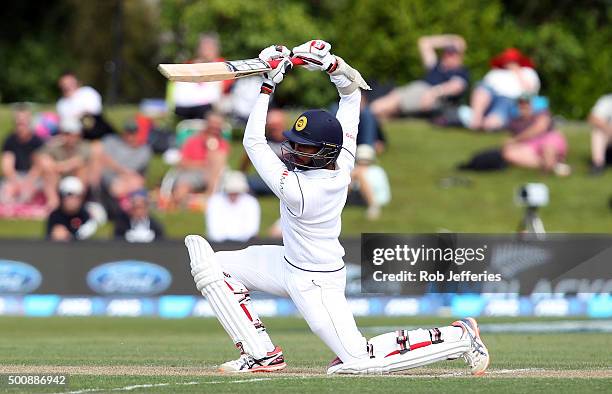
196,147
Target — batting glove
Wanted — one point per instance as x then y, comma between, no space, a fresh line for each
276,75
316,54
357,81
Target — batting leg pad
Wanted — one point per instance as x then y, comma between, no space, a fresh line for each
394,352
242,295
210,281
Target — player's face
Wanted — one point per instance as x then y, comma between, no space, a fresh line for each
305,149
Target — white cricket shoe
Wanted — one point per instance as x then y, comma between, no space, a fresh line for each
274,361
478,355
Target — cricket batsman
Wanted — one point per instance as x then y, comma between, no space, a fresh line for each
311,183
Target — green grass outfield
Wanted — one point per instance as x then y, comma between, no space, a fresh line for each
155,355
419,157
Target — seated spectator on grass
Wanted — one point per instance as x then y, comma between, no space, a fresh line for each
370,185
21,180
66,154
493,102
233,214
276,122
536,143
601,137
136,224
444,83
83,103
125,162
71,220
203,159
195,100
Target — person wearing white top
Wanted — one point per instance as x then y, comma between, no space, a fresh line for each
194,100
311,181
370,181
233,214
493,102
82,103
601,120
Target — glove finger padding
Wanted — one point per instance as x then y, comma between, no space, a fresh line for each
277,74
316,54
353,75
274,52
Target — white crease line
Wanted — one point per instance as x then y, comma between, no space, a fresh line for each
145,386
509,371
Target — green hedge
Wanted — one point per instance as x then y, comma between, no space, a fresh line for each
570,43
569,40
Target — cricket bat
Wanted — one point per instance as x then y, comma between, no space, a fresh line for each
219,71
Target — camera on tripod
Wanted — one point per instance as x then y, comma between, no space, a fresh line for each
531,196
534,195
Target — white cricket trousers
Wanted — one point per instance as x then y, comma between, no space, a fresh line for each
318,296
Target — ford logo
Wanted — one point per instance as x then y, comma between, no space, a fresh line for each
129,277
18,278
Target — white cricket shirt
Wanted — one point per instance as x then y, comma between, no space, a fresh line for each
311,202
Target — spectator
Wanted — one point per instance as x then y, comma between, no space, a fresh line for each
136,224
242,98
195,100
233,215
444,83
21,178
275,125
125,162
370,185
535,143
83,103
66,154
71,220
601,120
203,158
493,102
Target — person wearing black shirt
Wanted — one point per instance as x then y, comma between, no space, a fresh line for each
20,176
71,221
445,81
135,224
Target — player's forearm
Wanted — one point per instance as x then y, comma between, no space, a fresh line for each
348,113
263,158
255,132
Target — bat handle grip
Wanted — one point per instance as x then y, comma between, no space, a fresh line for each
296,61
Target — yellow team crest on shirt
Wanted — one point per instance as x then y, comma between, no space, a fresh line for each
300,123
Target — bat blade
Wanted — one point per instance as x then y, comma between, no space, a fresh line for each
215,71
